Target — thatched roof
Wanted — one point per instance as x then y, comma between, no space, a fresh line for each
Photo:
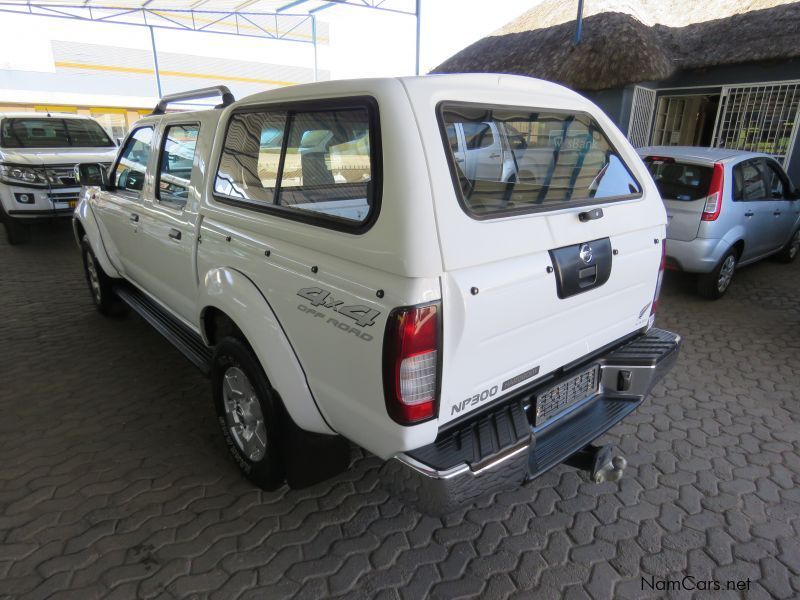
626,41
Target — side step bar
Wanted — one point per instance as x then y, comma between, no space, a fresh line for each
184,339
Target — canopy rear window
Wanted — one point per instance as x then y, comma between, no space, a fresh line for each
517,160
52,133
679,181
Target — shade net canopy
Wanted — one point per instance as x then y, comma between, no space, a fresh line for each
290,20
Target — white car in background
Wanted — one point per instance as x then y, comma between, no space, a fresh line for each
38,154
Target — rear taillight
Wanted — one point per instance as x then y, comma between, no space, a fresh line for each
659,281
714,199
411,363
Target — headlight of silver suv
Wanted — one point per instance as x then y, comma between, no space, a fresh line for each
19,175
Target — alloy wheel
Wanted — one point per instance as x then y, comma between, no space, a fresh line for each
794,244
243,414
94,278
726,273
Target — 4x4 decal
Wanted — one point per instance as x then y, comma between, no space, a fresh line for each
364,316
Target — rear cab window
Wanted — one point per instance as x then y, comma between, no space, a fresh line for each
524,160
318,164
175,164
678,180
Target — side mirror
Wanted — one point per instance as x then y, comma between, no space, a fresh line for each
91,174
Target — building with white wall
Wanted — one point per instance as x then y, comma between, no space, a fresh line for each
108,70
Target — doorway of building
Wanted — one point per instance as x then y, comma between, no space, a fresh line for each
686,120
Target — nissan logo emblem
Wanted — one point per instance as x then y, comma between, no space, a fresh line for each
585,253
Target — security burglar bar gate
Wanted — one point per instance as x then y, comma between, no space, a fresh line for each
758,118
644,101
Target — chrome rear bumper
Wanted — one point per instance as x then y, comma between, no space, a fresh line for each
501,448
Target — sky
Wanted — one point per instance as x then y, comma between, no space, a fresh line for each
369,43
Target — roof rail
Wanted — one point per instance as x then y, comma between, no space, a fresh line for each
208,92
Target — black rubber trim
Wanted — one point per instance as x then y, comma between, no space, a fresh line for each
570,434
477,440
644,351
189,343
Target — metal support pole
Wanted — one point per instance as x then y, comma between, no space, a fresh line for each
314,42
579,23
417,13
155,60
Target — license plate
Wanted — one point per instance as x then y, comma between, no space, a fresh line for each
69,204
555,400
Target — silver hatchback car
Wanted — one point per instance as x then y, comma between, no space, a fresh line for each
726,208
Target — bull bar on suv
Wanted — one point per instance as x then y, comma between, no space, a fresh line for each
536,428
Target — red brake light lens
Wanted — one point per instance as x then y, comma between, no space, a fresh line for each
659,159
411,363
714,199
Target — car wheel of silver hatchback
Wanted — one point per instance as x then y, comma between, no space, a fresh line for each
243,414
794,245
726,273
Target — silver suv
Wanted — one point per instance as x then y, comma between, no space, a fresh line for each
726,208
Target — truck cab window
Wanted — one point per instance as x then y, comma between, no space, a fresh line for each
327,166
175,163
248,167
130,169
310,163
522,160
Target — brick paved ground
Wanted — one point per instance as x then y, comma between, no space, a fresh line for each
114,482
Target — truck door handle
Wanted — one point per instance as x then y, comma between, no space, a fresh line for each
591,215
494,155
175,234
134,218
749,213
777,213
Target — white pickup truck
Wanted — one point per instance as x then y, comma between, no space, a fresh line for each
38,154
319,252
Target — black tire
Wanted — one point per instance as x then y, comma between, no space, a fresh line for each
16,232
792,248
260,460
714,285
101,289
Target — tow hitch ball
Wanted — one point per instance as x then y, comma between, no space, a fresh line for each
601,462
